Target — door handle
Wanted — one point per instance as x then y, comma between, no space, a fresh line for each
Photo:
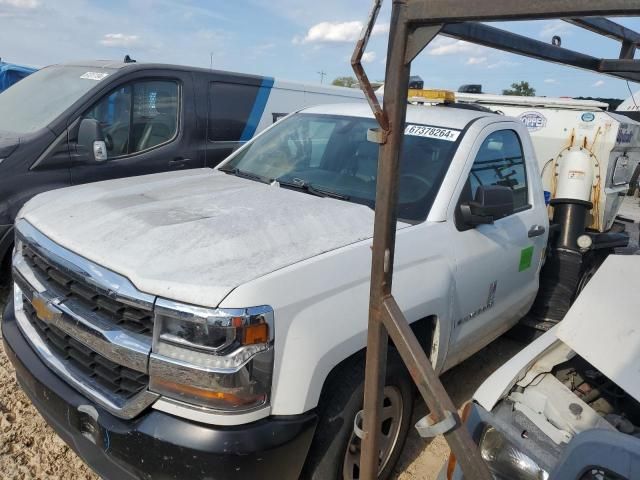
536,231
179,162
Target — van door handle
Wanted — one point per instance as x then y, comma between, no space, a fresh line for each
179,162
536,231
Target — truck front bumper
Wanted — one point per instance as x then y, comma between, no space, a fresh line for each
155,444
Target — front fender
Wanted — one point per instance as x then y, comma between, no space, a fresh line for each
321,310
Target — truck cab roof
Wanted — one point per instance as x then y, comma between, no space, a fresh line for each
456,118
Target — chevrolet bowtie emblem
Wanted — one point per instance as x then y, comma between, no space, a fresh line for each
44,310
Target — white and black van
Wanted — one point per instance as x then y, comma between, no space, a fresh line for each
90,121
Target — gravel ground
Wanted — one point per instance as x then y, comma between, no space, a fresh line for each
30,450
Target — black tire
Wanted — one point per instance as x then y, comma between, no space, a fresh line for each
340,401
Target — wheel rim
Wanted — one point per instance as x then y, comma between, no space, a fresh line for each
392,410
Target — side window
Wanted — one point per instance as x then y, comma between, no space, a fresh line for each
155,114
230,107
500,161
138,116
114,114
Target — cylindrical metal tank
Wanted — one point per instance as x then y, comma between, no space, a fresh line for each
575,172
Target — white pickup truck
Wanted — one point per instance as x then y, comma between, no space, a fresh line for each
211,323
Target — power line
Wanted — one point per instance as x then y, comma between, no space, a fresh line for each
632,95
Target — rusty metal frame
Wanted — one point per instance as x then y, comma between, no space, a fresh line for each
414,24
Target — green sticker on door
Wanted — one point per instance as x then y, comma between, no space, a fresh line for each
526,255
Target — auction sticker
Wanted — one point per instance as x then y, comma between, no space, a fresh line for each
432,132
94,76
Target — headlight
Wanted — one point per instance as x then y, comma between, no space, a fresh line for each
505,461
216,358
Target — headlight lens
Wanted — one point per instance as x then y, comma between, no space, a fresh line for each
216,358
505,461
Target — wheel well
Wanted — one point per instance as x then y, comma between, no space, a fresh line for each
423,330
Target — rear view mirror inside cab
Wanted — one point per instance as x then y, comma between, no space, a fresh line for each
492,202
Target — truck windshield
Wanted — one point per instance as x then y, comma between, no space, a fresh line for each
33,103
330,156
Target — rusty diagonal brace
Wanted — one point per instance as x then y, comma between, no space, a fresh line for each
361,75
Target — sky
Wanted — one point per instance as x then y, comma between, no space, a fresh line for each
288,39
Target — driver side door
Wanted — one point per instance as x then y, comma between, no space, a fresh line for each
146,128
497,264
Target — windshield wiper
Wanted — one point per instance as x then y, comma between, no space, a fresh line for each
299,184
243,174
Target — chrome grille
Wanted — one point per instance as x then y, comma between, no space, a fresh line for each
90,325
64,286
116,379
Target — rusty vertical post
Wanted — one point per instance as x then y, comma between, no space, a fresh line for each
394,103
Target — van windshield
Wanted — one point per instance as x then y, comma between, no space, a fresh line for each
34,102
330,156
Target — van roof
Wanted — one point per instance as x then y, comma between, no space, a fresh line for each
447,117
119,65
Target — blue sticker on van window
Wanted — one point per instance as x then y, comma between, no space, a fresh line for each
588,117
257,110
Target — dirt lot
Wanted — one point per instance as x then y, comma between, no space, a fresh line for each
29,449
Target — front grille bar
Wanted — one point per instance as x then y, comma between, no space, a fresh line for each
95,351
128,349
115,404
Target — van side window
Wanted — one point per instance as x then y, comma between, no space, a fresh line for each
500,161
138,116
230,111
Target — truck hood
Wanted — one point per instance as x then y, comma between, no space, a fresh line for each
194,236
601,326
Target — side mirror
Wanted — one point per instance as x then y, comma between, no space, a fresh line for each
91,140
492,202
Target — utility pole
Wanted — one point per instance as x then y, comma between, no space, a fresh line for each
322,74
210,60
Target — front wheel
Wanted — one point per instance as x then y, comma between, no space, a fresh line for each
335,450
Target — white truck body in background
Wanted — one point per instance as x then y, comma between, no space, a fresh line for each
559,127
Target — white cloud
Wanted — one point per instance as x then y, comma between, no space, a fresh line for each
502,63
26,4
550,80
599,83
554,27
119,40
337,32
368,57
476,60
448,47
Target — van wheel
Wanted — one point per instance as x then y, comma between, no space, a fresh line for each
335,450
